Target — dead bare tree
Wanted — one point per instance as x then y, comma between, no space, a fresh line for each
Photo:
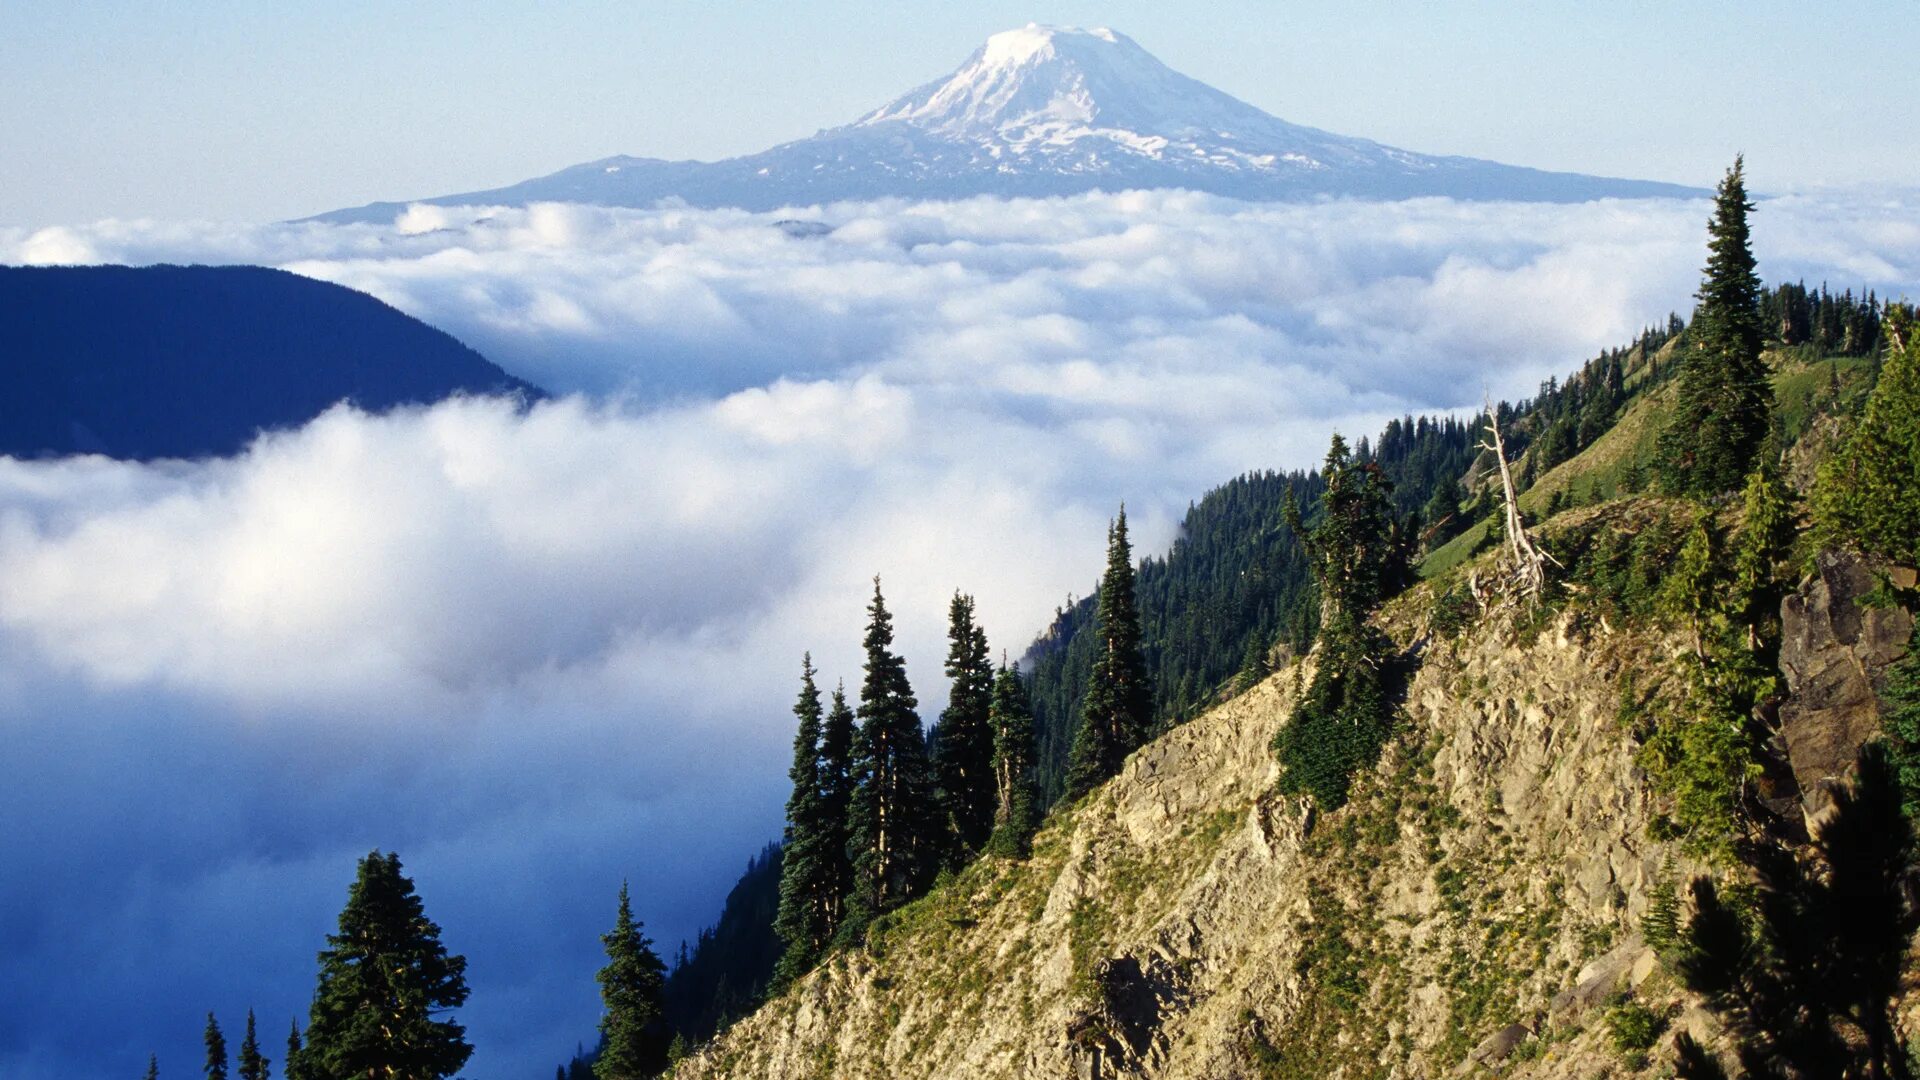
1523,565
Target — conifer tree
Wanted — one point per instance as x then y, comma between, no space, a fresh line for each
809,888
632,1043
1254,666
251,1065
1868,494
1119,704
385,982
836,801
216,1050
294,1067
1017,797
1357,557
890,821
963,740
1725,401
153,1067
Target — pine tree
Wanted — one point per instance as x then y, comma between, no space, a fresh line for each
1725,400
963,740
836,802
384,980
1254,666
1868,494
252,1065
1017,798
1118,711
216,1050
809,889
632,1041
891,816
1357,555
294,1067
153,1067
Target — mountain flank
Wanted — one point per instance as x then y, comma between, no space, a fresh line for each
190,361
1042,111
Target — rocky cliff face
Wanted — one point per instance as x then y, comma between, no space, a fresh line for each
1476,907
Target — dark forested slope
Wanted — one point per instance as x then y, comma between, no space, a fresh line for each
189,361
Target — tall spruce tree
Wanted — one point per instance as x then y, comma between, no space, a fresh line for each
153,1067
633,1041
294,1066
809,885
385,984
890,822
1725,401
1119,704
1357,556
1016,795
252,1066
963,740
216,1050
837,737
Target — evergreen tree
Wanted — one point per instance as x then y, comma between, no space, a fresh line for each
1901,727
1868,494
294,1067
891,824
385,978
1254,666
963,740
1725,401
837,737
1017,799
632,1042
809,885
153,1067
1357,555
252,1065
1118,711
216,1050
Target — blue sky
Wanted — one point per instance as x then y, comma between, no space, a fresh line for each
242,111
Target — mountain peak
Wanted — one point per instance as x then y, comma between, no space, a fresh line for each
1054,82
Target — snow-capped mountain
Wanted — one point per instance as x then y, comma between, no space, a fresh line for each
1046,111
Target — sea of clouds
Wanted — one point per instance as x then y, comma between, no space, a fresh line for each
540,650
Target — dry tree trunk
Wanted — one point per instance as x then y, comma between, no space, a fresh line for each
1526,563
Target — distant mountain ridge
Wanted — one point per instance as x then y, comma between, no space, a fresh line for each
1048,111
189,361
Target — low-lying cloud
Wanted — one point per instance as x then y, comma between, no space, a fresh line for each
540,651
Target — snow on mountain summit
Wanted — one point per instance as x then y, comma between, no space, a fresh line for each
1045,79
1046,110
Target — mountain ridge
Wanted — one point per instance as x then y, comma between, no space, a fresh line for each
1045,111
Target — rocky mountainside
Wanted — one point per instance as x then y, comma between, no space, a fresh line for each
1477,904
1048,111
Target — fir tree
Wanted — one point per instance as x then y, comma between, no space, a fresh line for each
1901,727
963,740
252,1065
836,801
890,821
1118,711
1357,556
809,885
153,1067
385,979
631,1039
1725,401
1254,666
1868,494
294,1067
1017,799
216,1050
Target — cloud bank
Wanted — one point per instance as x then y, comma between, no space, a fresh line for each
538,652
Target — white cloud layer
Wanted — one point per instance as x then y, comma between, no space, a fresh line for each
538,652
